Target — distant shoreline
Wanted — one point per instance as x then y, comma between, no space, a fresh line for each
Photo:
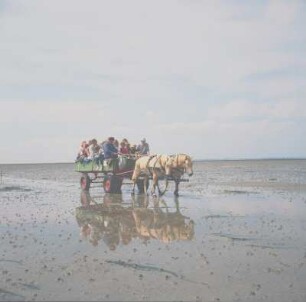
195,160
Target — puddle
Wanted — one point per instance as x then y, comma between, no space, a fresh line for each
14,188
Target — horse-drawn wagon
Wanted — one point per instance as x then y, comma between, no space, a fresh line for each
159,168
110,172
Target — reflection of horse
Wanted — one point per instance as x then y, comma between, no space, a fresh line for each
114,222
164,226
155,166
181,163
140,201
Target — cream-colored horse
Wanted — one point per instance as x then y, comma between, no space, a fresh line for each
180,164
156,166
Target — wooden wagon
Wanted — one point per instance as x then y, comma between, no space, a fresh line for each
109,172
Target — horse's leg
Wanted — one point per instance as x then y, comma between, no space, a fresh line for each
134,179
166,186
146,202
165,205
133,200
133,189
177,181
145,181
177,207
155,180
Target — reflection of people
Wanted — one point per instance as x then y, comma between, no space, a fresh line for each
104,221
143,148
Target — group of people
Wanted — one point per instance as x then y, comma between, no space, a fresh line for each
110,148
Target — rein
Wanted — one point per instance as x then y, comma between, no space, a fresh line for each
150,158
147,166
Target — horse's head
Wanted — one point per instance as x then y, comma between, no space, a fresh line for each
188,165
183,161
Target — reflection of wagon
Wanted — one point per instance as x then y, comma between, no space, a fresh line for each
109,172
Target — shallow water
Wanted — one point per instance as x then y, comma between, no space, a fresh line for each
236,233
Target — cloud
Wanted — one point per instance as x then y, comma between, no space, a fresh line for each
242,109
213,72
51,112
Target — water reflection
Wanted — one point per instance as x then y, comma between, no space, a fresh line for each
115,221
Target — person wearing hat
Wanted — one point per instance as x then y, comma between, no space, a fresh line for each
110,151
143,148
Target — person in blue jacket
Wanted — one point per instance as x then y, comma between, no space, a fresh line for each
110,151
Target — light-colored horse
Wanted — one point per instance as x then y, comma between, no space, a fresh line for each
156,166
180,164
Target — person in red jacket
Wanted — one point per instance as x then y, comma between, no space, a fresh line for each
123,148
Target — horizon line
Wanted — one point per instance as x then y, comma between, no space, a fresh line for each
195,160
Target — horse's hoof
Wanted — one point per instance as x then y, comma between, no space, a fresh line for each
176,194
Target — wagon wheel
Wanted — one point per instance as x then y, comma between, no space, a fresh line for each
162,185
85,181
112,184
140,185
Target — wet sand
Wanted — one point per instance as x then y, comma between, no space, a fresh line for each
236,233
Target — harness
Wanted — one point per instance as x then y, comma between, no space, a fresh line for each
147,166
151,169
182,170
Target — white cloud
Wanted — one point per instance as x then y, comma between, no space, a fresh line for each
155,69
52,112
288,109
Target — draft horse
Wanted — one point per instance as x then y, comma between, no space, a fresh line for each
157,166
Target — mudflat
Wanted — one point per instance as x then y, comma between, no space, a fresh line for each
235,233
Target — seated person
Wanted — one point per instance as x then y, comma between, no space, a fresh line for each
123,148
110,151
94,149
101,153
116,144
143,148
83,151
133,149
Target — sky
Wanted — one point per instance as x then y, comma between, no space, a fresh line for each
222,79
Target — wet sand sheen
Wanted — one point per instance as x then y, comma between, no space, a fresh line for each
235,233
